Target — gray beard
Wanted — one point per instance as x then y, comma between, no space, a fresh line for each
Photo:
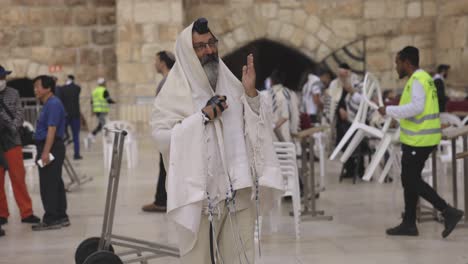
211,70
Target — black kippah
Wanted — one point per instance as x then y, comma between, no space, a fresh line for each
201,26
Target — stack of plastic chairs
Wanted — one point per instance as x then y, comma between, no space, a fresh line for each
131,146
445,146
286,153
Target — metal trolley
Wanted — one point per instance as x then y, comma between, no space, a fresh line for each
100,250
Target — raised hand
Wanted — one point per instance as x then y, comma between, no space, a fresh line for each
249,76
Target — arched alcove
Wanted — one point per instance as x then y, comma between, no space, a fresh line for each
270,55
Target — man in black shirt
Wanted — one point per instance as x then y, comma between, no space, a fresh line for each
439,81
69,94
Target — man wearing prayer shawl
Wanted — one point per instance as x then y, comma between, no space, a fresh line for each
215,137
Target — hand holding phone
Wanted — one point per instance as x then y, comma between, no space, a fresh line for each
40,163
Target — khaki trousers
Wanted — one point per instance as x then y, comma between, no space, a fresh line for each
227,239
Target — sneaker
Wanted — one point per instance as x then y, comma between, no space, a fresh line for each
451,217
152,208
46,226
65,222
403,230
77,157
3,221
32,219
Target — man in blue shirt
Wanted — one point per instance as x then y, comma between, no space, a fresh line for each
50,129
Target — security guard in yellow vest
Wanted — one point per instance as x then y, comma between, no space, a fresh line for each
100,103
420,133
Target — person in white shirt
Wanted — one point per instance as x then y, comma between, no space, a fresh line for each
215,137
420,133
312,92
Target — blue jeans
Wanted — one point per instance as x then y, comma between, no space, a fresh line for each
74,123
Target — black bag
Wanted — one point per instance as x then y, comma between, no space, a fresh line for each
26,135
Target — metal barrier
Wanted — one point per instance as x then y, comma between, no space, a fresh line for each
136,110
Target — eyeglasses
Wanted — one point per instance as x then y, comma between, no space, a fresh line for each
212,43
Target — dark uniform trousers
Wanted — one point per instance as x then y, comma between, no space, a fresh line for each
51,183
412,162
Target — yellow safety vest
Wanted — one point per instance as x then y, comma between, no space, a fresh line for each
424,129
100,104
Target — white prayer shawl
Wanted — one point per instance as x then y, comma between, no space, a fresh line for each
336,90
244,139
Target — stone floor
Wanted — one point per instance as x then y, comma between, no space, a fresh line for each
356,234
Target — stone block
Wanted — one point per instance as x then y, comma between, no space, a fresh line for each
286,32
298,37
424,41
103,37
38,2
42,54
290,3
285,15
429,8
89,56
33,69
106,16
16,16
61,17
124,51
20,52
397,43
39,17
269,10
395,9
64,56
168,32
426,58
345,9
177,12
414,9
313,24
299,17
133,73
241,35
379,61
107,3
84,16
418,26
130,33
30,38
148,12
229,41
7,36
376,43
53,37
150,32
109,56
324,34
374,9
344,28
88,74
148,51
311,42
75,37
454,8
124,12
75,2
322,52
380,27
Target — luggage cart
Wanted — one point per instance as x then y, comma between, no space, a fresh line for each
99,250
75,180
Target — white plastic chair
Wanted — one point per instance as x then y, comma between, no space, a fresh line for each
320,143
445,146
286,153
131,147
30,164
359,127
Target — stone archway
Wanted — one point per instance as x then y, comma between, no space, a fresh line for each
270,55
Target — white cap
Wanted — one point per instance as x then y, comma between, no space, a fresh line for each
101,81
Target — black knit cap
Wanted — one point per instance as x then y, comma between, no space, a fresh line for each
201,26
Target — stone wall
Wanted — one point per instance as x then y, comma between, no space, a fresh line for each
318,27
78,35
451,44
144,27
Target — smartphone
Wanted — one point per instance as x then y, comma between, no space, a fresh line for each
41,164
